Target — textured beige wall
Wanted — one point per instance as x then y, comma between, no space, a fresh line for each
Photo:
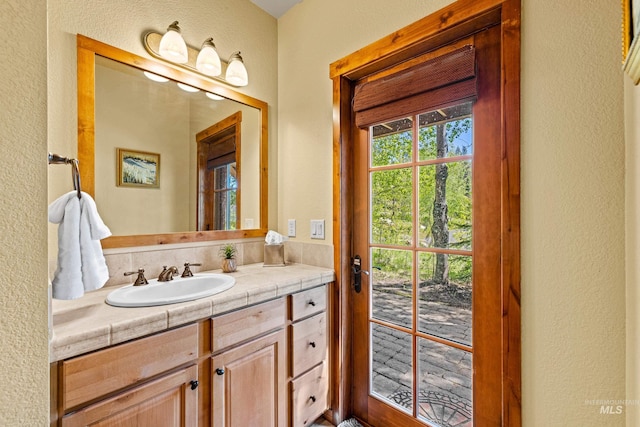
234,25
311,35
24,368
572,213
632,198
573,314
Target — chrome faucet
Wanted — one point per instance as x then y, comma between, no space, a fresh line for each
167,273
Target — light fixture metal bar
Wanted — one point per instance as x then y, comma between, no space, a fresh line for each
151,41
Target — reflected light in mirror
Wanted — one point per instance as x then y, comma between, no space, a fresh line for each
155,77
187,88
213,96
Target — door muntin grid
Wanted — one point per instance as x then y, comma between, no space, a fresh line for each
420,252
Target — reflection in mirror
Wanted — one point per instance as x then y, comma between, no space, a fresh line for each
219,148
209,140
138,114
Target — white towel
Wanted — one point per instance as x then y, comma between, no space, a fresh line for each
81,264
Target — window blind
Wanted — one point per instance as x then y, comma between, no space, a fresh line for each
438,82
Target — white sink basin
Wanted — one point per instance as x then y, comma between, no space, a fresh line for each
177,290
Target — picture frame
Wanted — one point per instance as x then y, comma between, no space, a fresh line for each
136,168
631,39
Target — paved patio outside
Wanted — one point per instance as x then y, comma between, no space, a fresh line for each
444,372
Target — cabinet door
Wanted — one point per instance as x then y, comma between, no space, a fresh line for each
169,401
249,384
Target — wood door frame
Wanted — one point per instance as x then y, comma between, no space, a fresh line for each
458,20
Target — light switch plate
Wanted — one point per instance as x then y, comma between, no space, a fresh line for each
317,228
291,228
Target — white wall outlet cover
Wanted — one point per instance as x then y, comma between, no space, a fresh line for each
291,228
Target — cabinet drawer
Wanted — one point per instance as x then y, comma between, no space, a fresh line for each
89,377
239,326
308,302
309,342
309,396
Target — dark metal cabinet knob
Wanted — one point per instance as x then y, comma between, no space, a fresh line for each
312,398
194,384
312,303
312,344
220,371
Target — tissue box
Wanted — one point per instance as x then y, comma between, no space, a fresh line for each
274,255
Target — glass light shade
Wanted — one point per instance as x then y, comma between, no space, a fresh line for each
236,72
213,96
155,77
172,45
187,88
208,61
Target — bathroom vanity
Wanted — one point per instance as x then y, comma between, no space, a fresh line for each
256,354
253,355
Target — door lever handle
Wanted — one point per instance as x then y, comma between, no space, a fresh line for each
357,271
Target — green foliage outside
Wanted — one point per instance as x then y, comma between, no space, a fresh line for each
392,219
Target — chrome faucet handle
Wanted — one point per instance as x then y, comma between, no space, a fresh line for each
167,273
140,280
187,271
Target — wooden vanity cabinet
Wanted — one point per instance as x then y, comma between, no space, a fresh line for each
248,367
147,382
266,375
260,366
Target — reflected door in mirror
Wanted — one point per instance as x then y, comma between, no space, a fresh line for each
219,175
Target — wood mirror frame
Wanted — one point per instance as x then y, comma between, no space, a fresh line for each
87,49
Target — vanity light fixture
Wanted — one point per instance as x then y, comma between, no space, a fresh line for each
213,96
208,61
205,61
172,45
155,77
236,72
187,88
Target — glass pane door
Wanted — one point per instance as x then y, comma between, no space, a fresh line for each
421,263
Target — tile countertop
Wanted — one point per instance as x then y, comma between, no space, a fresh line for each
88,323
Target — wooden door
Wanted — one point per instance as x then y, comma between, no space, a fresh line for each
427,323
249,384
170,401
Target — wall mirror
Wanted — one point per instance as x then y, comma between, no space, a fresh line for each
168,164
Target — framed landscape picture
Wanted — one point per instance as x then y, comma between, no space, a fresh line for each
631,38
138,168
